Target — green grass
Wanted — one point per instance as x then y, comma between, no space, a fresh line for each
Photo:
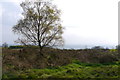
74,70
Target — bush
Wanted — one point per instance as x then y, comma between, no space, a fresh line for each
97,47
106,58
16,47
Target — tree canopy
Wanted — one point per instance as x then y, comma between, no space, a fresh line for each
40,24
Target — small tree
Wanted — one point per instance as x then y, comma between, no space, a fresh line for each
118,47
40,25
5,45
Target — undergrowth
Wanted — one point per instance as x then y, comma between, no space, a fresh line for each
75,70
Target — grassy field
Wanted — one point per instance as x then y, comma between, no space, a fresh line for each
75,70
61,64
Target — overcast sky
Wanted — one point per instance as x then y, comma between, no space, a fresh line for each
87,22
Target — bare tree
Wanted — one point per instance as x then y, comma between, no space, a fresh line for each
40,25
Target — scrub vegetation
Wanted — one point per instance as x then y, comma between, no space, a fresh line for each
23,62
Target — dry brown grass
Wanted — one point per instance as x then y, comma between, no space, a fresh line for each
20,59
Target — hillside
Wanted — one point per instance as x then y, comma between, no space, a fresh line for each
57,63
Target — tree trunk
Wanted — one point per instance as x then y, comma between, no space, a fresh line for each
40,47
41,52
